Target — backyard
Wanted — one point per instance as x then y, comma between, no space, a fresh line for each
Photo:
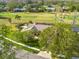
45,29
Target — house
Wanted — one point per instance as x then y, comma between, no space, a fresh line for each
39,27
2,9
65,8
50,9
75,57
75,29
27,27
19,9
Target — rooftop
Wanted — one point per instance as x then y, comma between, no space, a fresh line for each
21,54
39,27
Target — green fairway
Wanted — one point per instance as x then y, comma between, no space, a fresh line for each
25,17
35,17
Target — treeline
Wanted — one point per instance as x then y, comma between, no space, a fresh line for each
38,6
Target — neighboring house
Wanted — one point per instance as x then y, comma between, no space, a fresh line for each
64,8
41,27
38,0
19,9
27,27
38,27
75,29
75,57
50,9
2,9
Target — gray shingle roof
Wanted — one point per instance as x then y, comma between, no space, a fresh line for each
75,29
38,27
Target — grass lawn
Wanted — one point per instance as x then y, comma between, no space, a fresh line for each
35,17
25,17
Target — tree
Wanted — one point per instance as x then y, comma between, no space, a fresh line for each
17,17
12,4
2,4
26,38
5,30
6,48
20,5
60,40
42,2
29,2
9,20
